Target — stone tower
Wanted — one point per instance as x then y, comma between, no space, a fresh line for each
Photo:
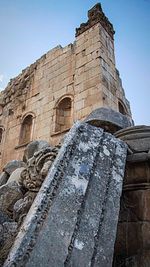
63,86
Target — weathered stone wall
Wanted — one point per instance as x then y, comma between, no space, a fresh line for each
83,73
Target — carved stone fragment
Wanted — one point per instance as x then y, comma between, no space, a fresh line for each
32,177
71,213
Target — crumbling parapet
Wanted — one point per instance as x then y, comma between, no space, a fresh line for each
95,15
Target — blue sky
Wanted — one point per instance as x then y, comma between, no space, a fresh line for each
29,28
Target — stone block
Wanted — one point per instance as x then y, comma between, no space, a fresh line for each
3,178
33,147
85,111
92,99
137,137
94,47
80,62
79,105
12,166
9,194
91,82
106,117
136,205
132,237
15,176
139,260
136,173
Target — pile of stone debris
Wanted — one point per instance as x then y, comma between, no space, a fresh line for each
19,183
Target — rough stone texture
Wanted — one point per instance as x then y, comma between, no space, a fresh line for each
15,176
4,217
137,138
19,192
33,147
141,260
108,119
83,72
8,231
31,178
37,168
133,238
3,178
22,206
9,194
74,205
11,166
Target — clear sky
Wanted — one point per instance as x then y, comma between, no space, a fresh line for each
29,28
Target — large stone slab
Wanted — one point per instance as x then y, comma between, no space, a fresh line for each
73,219
108,119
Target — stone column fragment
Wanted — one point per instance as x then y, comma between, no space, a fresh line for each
73,219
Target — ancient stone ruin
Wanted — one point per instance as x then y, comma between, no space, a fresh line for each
63,86
73,194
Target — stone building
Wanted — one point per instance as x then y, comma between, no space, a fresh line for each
60,207
61,87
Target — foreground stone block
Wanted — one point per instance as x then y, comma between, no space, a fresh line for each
9,194
11,166
73,219
15,176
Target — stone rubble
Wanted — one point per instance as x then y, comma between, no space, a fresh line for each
20,182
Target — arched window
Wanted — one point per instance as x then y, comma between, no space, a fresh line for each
122,108
26,128
63,114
